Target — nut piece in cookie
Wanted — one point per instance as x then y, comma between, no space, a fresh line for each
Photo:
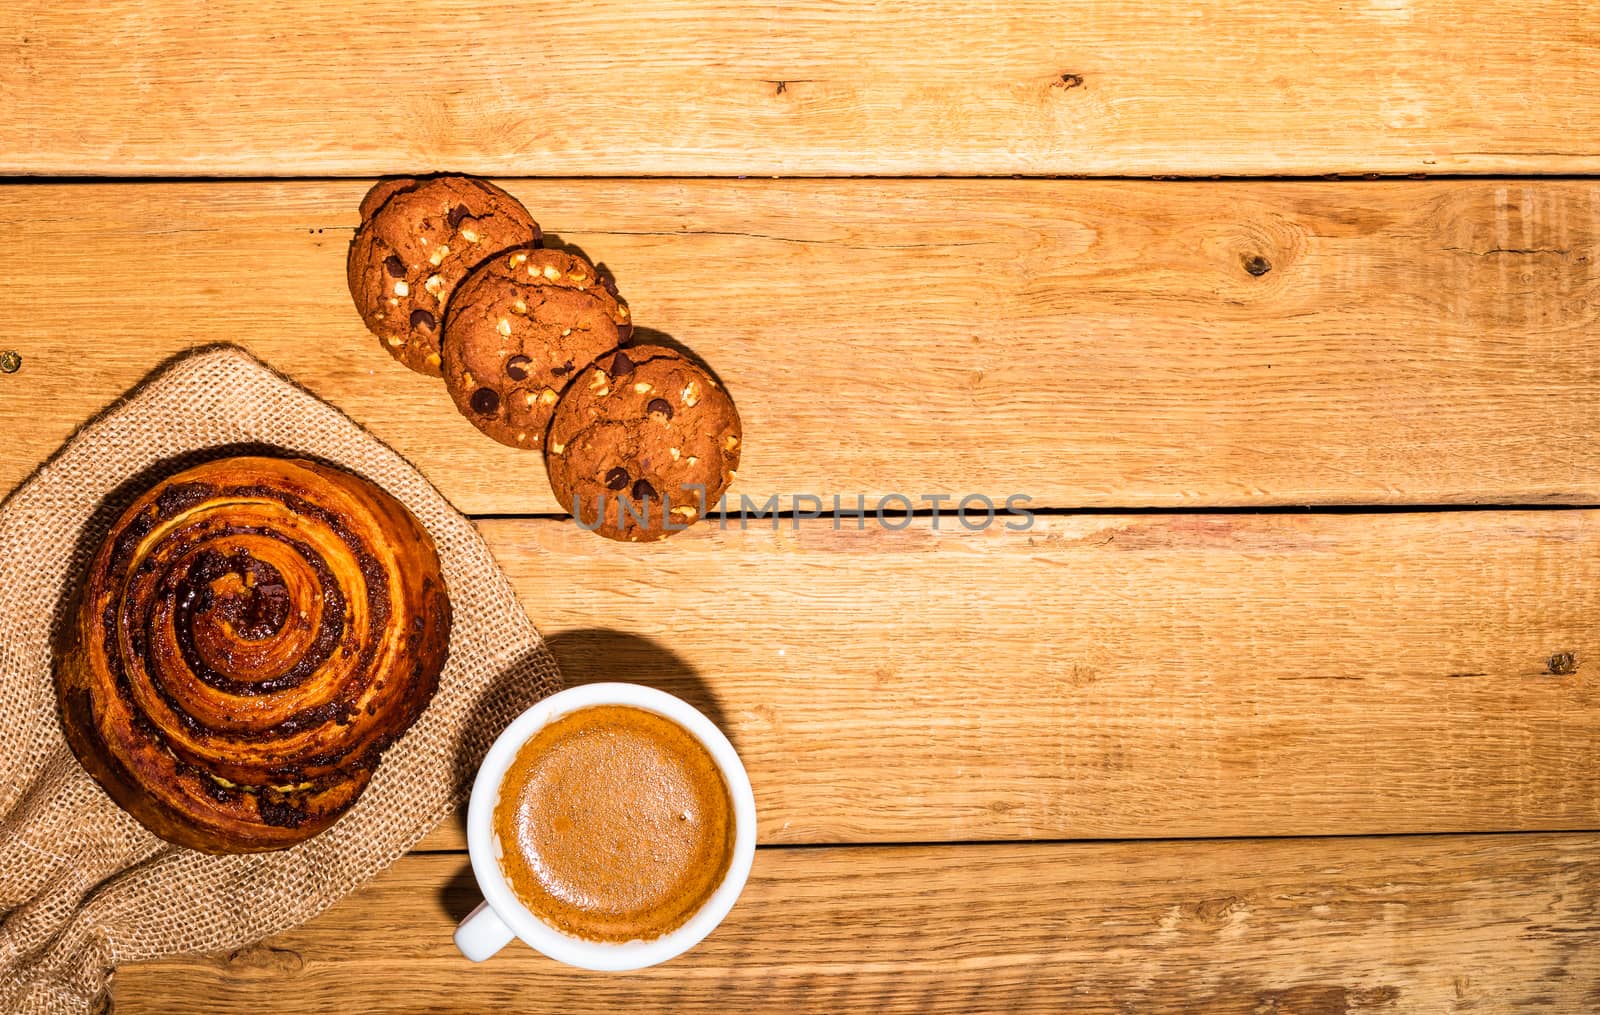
568,271
643,444
417,240
513,342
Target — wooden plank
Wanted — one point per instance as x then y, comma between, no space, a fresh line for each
1084,343
1111,677
1237,87
1309,927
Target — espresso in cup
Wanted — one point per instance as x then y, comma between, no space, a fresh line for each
614,824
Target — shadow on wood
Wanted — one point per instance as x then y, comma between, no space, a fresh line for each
587,656
458,894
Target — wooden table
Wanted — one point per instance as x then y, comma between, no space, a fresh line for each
1287,702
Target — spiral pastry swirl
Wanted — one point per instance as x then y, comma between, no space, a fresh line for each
251,636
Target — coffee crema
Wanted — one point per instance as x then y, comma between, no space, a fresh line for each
614,824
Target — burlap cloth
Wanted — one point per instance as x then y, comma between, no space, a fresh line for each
83,886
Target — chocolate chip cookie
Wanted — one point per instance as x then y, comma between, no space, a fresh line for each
642,444
417,240
513,342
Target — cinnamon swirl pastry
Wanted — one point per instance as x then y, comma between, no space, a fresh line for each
251,636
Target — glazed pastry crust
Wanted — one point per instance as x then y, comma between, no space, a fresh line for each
250,637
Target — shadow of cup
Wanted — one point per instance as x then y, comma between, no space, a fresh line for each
585,656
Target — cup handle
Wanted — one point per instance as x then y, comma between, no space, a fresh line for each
482,933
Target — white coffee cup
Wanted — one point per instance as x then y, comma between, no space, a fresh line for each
502,916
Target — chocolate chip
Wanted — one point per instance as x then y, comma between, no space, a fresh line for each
660,405
642,490
394,266
458,213
423,319
563,370
621,365
616,479
517,367
485,402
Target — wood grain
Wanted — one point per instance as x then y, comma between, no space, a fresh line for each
1081,342
810,87
1296,927
1111,676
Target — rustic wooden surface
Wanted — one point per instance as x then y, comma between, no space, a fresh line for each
1085,343
928,713
1289,927
810,87
1148,676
